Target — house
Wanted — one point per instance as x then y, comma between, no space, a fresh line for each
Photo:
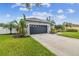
33,26
6,30
73,26
37,26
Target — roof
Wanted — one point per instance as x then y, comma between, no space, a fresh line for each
36,20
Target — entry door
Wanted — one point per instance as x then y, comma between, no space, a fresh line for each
37,29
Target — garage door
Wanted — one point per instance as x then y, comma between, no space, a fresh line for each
37,29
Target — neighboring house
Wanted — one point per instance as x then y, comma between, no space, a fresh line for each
37,26
74,26
6,30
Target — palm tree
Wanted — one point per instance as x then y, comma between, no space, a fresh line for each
16,26
70,25
10,26
66,24
1,24
51,22
20,26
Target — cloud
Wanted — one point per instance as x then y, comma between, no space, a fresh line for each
19,17
21,5
42,15
60,17
8,15
71,11
32,4
23,9
46,4
16,5
60,11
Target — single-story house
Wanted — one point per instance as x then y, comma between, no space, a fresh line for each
37,26
73,26
33,26
6,30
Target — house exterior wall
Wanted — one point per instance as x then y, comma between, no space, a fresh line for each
6,30
73,27
36,23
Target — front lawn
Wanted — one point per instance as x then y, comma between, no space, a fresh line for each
10,46
70,34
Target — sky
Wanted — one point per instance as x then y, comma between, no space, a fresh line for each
59,12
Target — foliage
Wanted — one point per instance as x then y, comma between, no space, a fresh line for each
67,24
16,26
9,25
53,30
20,26
1,24
59,28
72,30
10,46
50,21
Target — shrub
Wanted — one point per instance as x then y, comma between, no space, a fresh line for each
72,30
53,30
60,28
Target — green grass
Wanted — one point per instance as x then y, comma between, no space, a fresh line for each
70,34
10,46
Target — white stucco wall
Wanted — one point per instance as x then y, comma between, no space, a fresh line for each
6,30
36,23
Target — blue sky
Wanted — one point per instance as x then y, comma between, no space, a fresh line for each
59,12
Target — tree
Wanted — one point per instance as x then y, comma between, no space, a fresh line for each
24,17
1,24
16,26
51,22
59,27
66,24
10,26
20,26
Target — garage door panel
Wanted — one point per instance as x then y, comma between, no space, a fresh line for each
36,29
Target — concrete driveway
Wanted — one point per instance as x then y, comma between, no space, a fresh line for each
61,46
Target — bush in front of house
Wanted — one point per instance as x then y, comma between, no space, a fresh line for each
53,30
59,28
71,30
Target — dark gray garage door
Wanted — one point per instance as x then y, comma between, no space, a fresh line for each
37,29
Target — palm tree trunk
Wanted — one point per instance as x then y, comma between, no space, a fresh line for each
10,30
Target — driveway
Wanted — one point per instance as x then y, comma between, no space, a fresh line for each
61,46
